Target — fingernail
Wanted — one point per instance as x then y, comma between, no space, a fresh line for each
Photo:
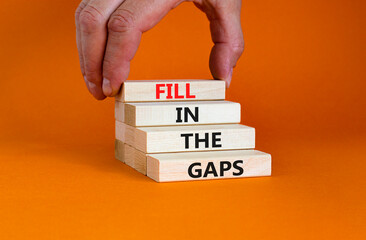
92,88
107,88
228,79
86,82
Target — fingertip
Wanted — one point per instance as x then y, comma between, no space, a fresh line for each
111,87
117,88
94,90
107,87
220,62
86,82
99,97
228,78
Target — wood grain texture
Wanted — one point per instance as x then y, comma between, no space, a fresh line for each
130,156
119,150
189,166
119,111
140,161
171,90
184,138
177,113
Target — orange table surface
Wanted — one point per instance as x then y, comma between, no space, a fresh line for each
75,191
301,84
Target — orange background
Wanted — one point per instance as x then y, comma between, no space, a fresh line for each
301,83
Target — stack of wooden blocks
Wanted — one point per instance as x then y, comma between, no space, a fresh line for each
182,130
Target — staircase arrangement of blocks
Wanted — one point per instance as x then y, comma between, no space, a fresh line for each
183,130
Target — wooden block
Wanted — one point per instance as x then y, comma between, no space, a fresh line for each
168,167
177,113
119,111
124,152
186,138
171,90
131,156
140,160
119,150
125,133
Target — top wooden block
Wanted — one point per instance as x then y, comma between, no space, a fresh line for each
171,90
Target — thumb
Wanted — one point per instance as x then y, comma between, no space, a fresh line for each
226,33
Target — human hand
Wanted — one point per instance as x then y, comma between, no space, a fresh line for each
108,33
